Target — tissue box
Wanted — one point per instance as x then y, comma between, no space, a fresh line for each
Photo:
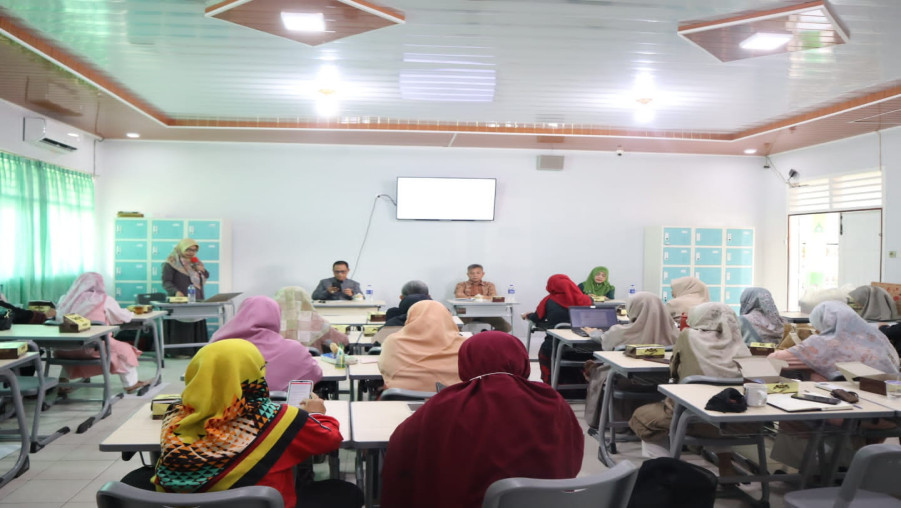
12,350
761,348
766,371
645,350
876,383
377,317
776,384
73,323
178,299
160,404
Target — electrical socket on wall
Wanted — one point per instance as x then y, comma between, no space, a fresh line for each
892,253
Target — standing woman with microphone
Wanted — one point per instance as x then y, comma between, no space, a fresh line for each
182,270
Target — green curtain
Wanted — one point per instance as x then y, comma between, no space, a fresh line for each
46,228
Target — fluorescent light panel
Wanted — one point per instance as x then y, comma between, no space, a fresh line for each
304,21
765,41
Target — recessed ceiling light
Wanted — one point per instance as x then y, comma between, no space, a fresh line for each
133,135
73,134
750,151
765,41
304,21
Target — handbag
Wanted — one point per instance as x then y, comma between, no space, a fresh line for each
6,319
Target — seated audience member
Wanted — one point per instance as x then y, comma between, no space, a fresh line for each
338,287
484,423
412,292
552,310
893,334
226,433
257,321
424,351
22,316
708,347
687,292
873,304
87,297
474,286
650,323
759,317
302,323
597,285
813,297
843,336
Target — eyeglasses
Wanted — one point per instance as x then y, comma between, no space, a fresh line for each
339,271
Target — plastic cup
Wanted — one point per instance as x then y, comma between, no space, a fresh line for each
893,389
755,393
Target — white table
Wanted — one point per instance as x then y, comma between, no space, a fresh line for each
141,433
50,337
690,400
344,307
372,424
563,339
795,317
368,371
627,367
468,308
194,312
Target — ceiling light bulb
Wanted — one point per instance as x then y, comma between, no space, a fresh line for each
304,21
750,151
765,41
133,135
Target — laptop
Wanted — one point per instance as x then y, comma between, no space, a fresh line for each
221,297
593,317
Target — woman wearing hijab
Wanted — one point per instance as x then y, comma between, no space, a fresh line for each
687,292
552,310
424,351
708,347
873,304
597,285
496,424
226,432
181,270
302,323
650,323
87,297
257,321
843,337
759,317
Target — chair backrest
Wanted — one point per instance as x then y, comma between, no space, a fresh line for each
710,380
146,298
120,495
314,351
873,468
611,488
404,394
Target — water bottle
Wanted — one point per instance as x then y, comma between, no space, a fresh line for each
369,293
631,291
192,294
511,293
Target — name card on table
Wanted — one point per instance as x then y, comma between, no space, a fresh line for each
73,323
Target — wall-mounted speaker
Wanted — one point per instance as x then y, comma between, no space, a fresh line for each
550,162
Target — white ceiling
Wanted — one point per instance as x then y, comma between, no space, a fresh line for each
526,61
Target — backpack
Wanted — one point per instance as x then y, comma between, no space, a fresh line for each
670,483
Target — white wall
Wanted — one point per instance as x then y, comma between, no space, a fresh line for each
294,209
11,120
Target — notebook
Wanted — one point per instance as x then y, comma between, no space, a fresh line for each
221,297
785,402
593,317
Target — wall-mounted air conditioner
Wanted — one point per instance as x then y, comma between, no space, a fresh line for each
50,135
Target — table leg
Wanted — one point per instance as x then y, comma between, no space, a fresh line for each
606,410
813,444
158,352
555,346
38,441
108,398
678,428
21,464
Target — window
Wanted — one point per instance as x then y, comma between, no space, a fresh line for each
47,223
853,191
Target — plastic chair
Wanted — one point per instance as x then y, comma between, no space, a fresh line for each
404,394
610,489
120,495
871,482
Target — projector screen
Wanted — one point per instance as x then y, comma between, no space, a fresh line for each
445,198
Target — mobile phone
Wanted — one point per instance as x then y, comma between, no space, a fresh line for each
299,390
816,398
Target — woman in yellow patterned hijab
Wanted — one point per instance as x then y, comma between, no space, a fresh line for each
227,433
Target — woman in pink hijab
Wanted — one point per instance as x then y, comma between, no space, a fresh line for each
258,321
87,297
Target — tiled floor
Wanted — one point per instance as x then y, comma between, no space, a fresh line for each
69,471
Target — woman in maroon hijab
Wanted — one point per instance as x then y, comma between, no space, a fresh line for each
495,424
552,310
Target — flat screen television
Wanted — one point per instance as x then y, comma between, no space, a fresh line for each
445,198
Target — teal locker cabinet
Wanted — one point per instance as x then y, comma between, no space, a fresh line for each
143,244
721,257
